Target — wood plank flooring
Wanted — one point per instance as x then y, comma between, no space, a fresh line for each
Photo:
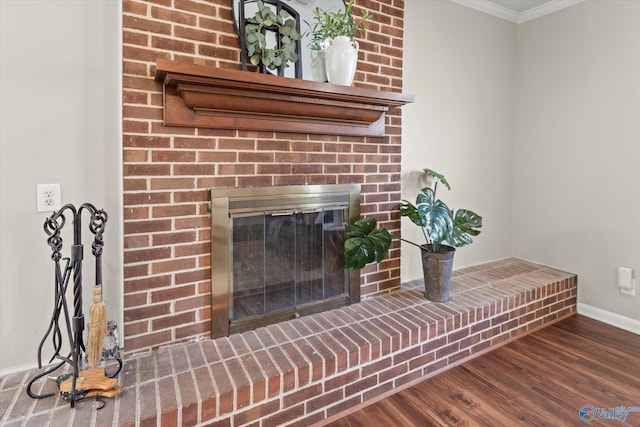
543,379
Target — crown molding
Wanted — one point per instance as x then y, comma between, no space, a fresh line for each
545,9
494,9
491,8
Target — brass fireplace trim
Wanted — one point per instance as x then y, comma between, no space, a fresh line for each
227,202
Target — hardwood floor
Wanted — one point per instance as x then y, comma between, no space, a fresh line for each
543,379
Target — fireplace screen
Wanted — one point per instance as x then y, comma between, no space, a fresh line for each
277,253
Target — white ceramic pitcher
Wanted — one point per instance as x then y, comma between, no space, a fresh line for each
341,60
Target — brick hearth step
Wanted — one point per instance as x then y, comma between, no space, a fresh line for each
309,370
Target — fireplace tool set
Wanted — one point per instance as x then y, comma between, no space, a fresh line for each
102,335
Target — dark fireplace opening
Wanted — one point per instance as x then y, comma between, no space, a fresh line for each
277,253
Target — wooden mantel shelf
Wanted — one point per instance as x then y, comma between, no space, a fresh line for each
206,97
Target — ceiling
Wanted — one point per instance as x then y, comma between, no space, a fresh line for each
517,11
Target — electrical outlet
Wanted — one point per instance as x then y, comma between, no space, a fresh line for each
48,197
626,283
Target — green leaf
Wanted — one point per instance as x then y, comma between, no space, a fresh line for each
255,59
284,14
465,225
251,38
437,216
437,176
364,244
409,210
361,227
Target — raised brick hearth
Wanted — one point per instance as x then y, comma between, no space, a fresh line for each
309,370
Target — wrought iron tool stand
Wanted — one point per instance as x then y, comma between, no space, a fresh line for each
75,324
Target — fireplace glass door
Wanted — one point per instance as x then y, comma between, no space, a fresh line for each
277,253
285,260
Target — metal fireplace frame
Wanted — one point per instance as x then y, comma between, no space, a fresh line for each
226,202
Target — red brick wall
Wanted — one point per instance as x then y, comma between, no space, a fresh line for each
168,170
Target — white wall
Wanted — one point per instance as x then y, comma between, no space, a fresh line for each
460,65
537,126
577,147
60,115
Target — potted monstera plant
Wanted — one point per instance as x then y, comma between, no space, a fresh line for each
444,230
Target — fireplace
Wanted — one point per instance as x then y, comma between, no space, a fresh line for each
277,253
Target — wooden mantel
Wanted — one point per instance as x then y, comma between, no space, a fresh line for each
207,97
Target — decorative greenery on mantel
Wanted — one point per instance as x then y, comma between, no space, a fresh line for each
327,24
283,26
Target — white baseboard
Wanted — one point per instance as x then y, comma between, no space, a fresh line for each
613,319
17,369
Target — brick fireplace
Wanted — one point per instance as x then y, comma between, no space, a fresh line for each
168,170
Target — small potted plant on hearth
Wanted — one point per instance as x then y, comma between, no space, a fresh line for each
444,231
332,44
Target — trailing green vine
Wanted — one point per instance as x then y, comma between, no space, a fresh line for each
284,26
